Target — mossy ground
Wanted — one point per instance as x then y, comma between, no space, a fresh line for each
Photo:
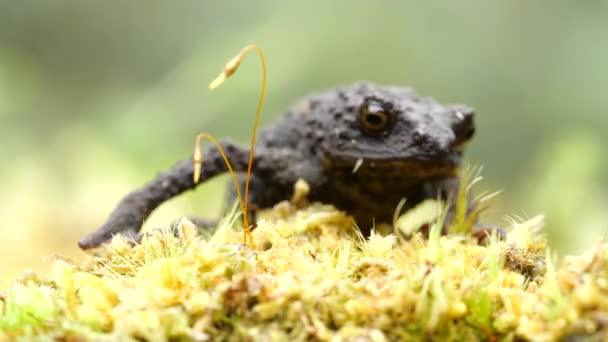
310,276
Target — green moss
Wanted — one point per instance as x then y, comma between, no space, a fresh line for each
28,307
311,276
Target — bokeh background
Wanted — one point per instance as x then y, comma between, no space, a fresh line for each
98,96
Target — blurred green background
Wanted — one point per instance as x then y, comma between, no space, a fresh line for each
97,96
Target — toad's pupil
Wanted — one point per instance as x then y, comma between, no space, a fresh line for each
375,119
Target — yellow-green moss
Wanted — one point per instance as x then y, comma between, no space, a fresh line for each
310,276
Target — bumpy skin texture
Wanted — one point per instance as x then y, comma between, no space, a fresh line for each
361,147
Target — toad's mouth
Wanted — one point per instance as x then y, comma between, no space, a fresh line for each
443,164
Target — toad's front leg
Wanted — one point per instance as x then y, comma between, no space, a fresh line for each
130,213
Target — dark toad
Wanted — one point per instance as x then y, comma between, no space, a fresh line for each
361,147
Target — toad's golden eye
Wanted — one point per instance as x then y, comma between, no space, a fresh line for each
373,117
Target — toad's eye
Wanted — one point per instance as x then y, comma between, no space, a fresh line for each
373,117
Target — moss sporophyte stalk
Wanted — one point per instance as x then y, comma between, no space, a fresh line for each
228,71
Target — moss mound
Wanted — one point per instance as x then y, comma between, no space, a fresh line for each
311,277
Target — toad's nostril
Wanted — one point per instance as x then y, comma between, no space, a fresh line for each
461,112
464,115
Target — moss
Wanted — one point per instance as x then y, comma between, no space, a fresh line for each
311,276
